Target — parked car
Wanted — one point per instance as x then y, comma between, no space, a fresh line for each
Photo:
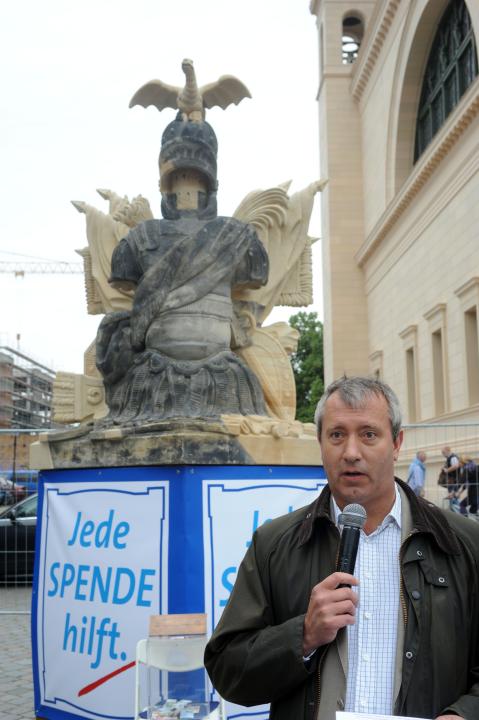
27,479
17,542
11,492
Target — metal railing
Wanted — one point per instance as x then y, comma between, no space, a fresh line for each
17,555
462,438
17,550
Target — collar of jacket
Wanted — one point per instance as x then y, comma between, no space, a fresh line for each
426,518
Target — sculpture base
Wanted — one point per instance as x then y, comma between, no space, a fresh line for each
233,440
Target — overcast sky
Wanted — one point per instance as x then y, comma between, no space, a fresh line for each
69,71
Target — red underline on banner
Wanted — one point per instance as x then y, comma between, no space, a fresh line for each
100,681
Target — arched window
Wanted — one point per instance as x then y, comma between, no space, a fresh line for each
450,69
353,31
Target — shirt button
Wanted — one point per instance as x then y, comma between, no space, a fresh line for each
367,575
368,615
366,657
363,702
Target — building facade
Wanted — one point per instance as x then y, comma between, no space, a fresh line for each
399,143
25,406
26,388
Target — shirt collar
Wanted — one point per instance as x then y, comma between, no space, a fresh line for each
416,461
394,515
425,518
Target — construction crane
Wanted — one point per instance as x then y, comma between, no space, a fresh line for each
40,266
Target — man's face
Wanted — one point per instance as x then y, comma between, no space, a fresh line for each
359,453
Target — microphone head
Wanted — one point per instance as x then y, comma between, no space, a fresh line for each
354,515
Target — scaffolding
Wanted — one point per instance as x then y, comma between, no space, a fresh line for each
26,388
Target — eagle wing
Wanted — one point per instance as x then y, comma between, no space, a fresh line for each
226,90
267,212
156,93
264,209
281,222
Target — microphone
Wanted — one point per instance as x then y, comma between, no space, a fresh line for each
352,519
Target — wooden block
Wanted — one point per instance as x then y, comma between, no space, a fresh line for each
189,624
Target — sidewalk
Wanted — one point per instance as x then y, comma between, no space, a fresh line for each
16,683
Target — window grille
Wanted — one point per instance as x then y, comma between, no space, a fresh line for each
450,70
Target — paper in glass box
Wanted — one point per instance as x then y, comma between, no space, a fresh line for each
183,710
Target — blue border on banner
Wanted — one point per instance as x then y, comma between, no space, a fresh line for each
185,549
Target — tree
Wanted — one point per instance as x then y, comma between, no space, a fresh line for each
307,364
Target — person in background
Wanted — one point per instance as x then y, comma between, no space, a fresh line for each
452,469
297,634
417,473
469,473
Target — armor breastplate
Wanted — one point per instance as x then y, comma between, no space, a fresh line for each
195,331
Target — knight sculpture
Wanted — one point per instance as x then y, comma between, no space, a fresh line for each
170,356
186,296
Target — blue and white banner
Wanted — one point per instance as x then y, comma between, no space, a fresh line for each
101,574
232,511
117,545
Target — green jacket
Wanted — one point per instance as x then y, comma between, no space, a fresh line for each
255,654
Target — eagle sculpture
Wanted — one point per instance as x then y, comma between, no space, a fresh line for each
191,100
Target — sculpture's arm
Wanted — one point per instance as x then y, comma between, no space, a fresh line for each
104,231
253,270
125,268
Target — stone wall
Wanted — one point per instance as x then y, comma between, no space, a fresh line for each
22,451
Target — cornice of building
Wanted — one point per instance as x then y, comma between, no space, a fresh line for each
460,419
440,146
470,285
409,333
439,310
372,44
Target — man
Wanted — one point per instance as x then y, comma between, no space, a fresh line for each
452,463
417,473
468,476
452,469
408,644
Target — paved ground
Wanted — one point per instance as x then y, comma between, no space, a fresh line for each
16,684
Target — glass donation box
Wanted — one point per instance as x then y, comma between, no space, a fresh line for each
171,681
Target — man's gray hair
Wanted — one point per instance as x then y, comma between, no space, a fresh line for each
354,392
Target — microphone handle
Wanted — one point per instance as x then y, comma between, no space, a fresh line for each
348,549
